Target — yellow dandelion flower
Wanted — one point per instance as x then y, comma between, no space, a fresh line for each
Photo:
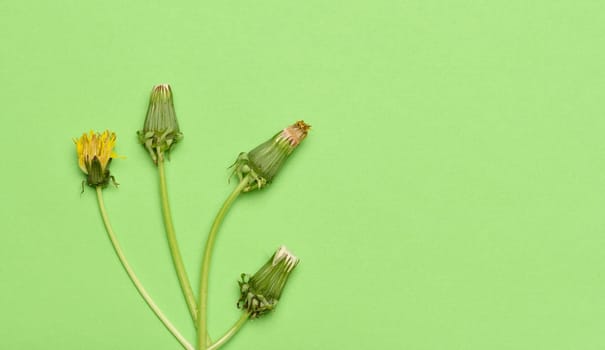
95,152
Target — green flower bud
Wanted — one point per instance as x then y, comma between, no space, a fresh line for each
261,292
263,162
161,129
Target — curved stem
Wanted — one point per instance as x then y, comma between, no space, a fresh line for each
174,248
231,332
116,246
203,303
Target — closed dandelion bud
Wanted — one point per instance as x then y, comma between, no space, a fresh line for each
262,163
161,129
261,292
95,152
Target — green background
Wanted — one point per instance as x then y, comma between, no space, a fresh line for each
449,196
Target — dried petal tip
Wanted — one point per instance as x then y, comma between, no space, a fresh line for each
261,292
262,163
296,133
161,129
95,152
283,254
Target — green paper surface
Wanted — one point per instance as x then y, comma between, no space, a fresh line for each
450,194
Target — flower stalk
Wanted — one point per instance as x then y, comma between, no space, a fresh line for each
203,295
95,152
159,134
231,332
255,170
175,252
133,277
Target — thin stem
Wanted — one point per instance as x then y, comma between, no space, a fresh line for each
202,330
116,246
231,332
174,248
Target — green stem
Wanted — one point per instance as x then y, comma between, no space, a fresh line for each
133,277
202,330
231,332
174,248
